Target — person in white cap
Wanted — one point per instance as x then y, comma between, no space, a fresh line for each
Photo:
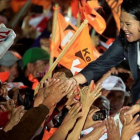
116,90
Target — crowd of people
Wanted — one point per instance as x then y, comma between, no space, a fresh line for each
101,102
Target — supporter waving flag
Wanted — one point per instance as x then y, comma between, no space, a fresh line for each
88,10
80,53
115,6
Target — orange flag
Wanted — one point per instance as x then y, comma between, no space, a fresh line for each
75,8
115,6
88,10
80,53
18,4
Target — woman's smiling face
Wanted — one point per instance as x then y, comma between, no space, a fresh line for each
130,26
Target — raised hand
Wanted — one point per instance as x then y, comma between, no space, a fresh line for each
73,114
54,93
128,117
60,75
129,130
133,110
96,134
89,121
71,95
17,113
68,122
40,96
89,96
3,90
113,131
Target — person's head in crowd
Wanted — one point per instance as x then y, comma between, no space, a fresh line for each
9,63
116,93
102,103
129,20
35,61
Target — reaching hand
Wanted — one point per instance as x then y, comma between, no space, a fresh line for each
3,90
96,134
129,130
87,98
113,131
40,96
60,75
71,94
17,113
73,114
89,121
10,105
133,110
128,117
54,92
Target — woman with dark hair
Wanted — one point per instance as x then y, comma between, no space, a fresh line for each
125,46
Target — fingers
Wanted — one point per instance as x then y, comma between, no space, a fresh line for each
75,110
41,85
10,104
3,91
118,125
93,111
134,120
90,86
124,107
19,110
124,123
3,108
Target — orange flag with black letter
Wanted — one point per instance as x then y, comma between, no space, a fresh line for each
115,6
80,53
88,10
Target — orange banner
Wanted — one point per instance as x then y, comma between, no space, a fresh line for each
80,53
75,8
115,6
18,4
88,10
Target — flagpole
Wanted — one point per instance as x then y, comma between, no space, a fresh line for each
14,21
79,20
56,8
63,52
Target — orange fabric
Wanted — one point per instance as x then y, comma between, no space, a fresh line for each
47,134
4,76
18,4
34,81
110,40
94,19
115,6
17,54
75,8
80,53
